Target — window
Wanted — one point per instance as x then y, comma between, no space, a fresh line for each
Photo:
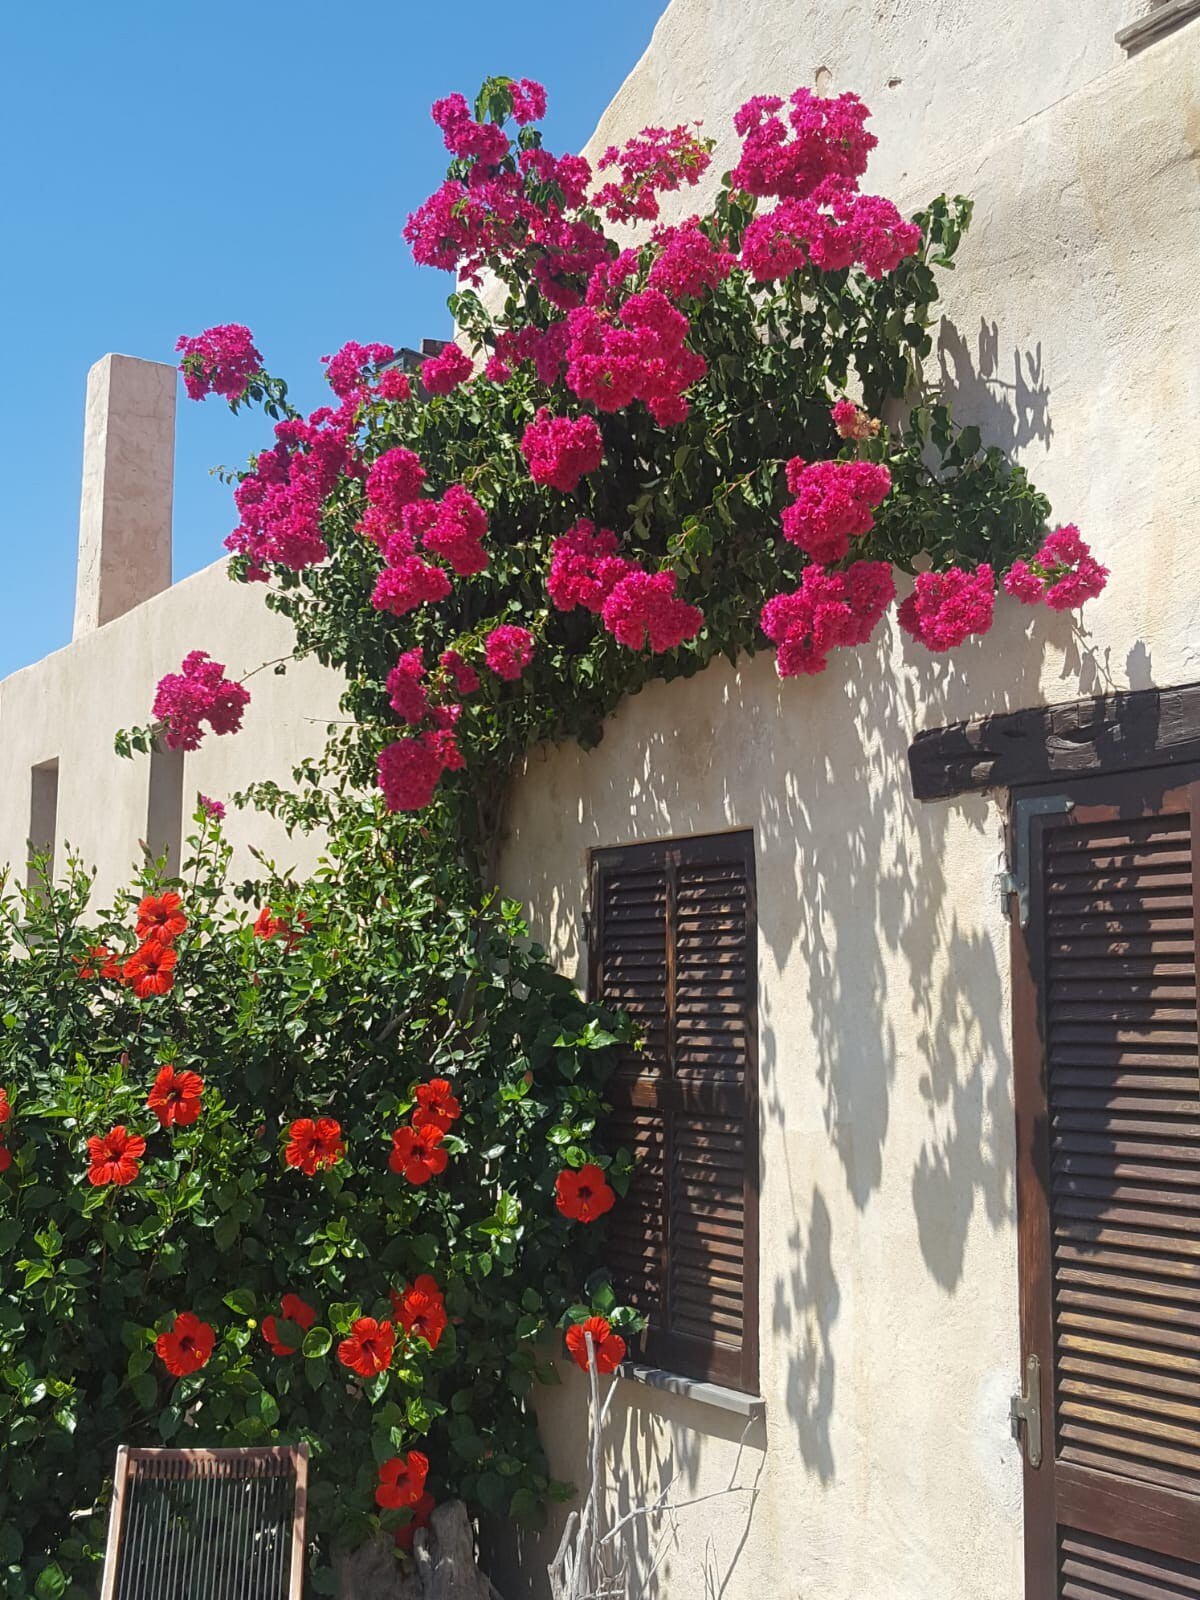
43,817
673,942
164,808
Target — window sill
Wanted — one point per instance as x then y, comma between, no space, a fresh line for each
1165,19
751,1406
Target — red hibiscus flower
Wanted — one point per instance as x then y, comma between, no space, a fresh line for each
608,1347
421,1514
115,1157
436,1106
402,1481
421,1311
268,925
5,1108
99,962
187,1346
175,1097
314,1144
294,1310
368,1350
151,969
584,1195
160,917
417,1153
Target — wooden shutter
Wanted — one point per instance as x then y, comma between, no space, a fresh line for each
1108,1121
674,943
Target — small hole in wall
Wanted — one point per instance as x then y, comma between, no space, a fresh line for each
894,83
823,80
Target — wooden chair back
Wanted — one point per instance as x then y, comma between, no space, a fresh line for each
207,1524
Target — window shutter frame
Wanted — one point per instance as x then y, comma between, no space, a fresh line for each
701,1105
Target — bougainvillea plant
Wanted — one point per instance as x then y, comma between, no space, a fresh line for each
640,456
206,1236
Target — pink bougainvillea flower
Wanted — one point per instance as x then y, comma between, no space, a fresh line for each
445,371
508,650
221,360
834,502
643,609
947,607
199,692
561,450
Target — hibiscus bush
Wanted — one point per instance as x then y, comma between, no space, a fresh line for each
316,1169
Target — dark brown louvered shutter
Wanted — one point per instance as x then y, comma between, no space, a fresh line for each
1108,1113
674,943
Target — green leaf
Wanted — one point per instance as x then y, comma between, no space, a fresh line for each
242,1301
318,1342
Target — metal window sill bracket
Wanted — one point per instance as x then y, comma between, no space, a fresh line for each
1161,21
751,1406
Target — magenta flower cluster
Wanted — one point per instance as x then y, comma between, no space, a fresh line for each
220,360
281,500
827,610
198,693
834,502
347,371
561,450
446,370
945,608
656,161
508,650
638,608
1064,573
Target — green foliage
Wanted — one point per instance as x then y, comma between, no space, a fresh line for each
403,975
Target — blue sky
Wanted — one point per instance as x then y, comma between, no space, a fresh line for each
171,166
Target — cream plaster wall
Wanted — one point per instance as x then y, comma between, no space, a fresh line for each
69,705
884,1469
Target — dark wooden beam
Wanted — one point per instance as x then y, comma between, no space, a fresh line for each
1108,733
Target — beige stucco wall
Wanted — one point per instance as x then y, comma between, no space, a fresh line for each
68,706
888,1300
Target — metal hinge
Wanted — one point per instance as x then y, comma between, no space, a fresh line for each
1025,1413
1015,879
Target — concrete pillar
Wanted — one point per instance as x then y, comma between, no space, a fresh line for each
128,475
